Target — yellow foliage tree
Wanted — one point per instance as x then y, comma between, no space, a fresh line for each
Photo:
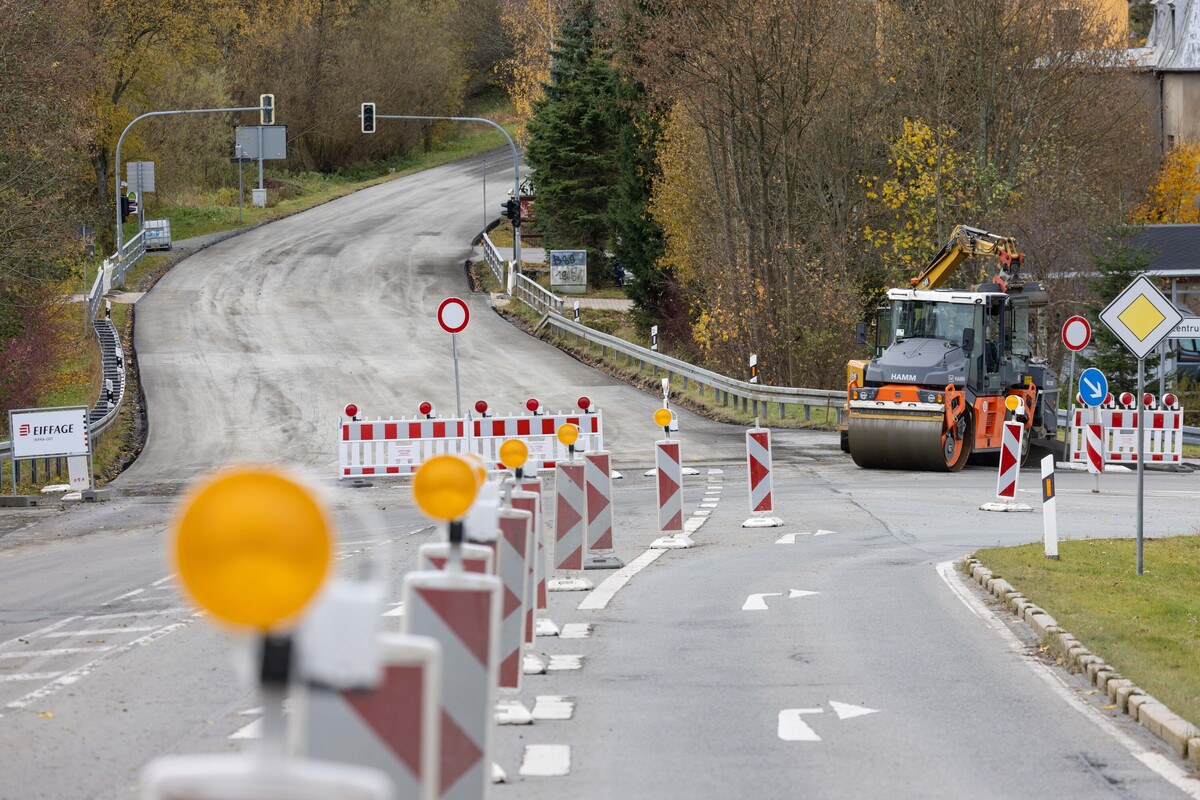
533,27
1172,198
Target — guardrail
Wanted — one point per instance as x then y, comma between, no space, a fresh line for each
131,253
531,293
751,397
493,259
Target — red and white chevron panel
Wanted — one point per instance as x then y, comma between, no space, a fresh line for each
545,542
570,515
1094,440
669,485
393,727
598,474
513,548
536,581
476,558
462,612
758,461
1010,460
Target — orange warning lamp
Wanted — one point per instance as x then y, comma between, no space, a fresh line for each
568,434
252,546
662,418
445,487
1012,402
514,453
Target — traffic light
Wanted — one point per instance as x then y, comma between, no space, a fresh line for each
512,210
368,117
266,111
124,207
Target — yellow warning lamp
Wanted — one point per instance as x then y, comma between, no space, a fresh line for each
252,546
514,453
662,418
1012,402
568,434
445,487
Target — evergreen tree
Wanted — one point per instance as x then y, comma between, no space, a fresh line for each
573,142
1118,262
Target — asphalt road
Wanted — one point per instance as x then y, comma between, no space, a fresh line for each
882,682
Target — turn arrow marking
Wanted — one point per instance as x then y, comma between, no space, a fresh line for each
823,532
792,728
794,593
790,538
848,711
755,602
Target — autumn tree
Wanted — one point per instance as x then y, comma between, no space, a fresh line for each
533,27
1174,195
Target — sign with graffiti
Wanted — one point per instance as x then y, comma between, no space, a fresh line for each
568,271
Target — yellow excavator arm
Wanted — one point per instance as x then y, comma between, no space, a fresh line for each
964,243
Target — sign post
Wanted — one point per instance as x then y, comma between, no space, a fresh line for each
1141,317
453,316
1076,335
1093,388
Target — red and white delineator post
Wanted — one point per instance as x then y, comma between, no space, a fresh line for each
476,558
1049,508
759,482
393,727
513,548
1010,460
598,475
536,563
543,626
570,524
462,612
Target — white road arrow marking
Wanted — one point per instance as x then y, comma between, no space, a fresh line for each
794,593
848,711
790,538
823,532
794,729
755,602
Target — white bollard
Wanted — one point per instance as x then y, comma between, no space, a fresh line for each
1049,517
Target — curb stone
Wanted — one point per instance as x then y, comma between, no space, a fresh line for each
1182,736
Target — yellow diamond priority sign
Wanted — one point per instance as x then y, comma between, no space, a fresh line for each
1141,316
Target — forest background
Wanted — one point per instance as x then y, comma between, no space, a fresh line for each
762,172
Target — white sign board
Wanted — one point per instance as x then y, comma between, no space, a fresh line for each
140,176
44,432
568,271
1188,329
274,141
1141,316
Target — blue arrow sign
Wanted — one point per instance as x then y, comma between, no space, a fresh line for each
1093,386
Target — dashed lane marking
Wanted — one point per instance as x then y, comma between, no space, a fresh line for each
546,760
60,651
553,707
575,630
29,676
560,663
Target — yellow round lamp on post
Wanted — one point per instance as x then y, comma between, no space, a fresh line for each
445,487
568,434
513,454
252,546
662,418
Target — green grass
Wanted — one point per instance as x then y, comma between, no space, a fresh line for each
1147,627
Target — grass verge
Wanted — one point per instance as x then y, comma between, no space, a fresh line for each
1147,627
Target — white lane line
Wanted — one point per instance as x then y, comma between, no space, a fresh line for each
1157,762
60,651
600,597
134,614
251,731
559,663
575,630
39,632
716,472
167,579
553,707
119,597
708,505
98,631
29,676
75,675
546,760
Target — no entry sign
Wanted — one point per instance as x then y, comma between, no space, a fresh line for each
1076,333
453,315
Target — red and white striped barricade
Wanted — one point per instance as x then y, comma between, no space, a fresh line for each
396,447
1049,510
249,776
393,727
539,433
476,558
462,612
597,473
669,484
570,522
544,626
1162,436
1010,469
513,548
759,481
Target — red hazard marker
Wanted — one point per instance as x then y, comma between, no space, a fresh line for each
761,485
1010,460
669,486
597,470
513,548
570,522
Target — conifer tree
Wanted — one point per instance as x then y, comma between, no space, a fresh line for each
1118,262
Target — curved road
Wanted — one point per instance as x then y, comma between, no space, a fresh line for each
827,658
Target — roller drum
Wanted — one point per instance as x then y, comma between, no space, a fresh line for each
912,443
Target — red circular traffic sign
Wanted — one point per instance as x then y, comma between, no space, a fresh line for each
1076,333
453,315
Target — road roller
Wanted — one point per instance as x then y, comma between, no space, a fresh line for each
945,361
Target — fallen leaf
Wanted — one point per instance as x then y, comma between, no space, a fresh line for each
46,714
1109,708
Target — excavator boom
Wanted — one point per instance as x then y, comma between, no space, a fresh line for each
966,242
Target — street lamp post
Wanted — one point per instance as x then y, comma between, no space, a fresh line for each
117,168
516,165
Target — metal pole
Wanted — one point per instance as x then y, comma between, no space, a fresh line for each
457,395
121,139
516,165
1071,382
1141,451
260,160
237,148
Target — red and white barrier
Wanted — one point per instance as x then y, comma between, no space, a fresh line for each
539,434
759,482
1162,436
394,727
1010,460
669,485
598,475
475,558
545,556
1094,441
513,549
570,523
462,612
